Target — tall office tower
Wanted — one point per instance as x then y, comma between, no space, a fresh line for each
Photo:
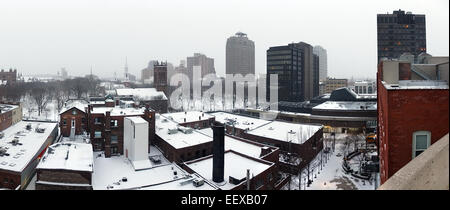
308,70
147,73
294,64
400,32
240,55
316,72
207,65
286,61
323,65
160,77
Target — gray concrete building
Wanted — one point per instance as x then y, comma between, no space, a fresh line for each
323,65
240,55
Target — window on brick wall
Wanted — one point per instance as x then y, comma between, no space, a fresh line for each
421,141
114,139
97,134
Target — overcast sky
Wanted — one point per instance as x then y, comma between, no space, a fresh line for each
44,36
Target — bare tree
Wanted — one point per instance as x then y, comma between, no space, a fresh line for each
58,94
40,95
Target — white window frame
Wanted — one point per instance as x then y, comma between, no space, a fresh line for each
427,133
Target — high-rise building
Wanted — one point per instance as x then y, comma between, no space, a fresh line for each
316,72
400,32
308,71
207,65
240,55
286,62
323,65
294,64
160,77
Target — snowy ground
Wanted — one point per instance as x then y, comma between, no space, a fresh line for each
331,176
29,111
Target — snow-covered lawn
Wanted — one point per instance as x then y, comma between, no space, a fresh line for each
331,176
29,111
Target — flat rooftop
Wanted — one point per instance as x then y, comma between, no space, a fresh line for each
108,174
236,165
416,84
347,105
190,116
68,156
146,94
7,107
30,142
118,111
241,122
173,134
137,120
252,150
284,131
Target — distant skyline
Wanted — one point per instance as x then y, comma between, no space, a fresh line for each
41,37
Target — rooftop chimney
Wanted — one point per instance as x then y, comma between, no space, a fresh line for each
218,152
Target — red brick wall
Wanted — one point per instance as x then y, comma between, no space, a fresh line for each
401,113
12,178
68,116
5,120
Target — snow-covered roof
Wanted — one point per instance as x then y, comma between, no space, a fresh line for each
144,94
108,172
417,84
253,150
283,131
30,142
7,107
118,111
190,116
239,121
77,103
176,135
347,105
236,166
68,156
137,120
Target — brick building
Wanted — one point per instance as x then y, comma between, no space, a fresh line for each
106,126
66,166
21,148
73,117
262,173
160,77
179,143
412,114
8,77
191,119
304,141
157,100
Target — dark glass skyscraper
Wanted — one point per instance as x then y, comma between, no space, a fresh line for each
286,61
399,33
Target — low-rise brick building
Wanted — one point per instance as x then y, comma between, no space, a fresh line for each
106,126
412,114
21,148
66,166
73,117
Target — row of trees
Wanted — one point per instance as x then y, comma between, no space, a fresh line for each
42,93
